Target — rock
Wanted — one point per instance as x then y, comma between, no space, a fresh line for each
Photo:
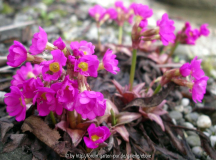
192,117
198,151
204,122
213,141
193,140
185,102
179,108
188,125
41,7
175,115
21,17
187,109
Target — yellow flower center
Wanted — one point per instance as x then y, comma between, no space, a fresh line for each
83,66
54,67
85,53
139,19
43,95
95,138
20,99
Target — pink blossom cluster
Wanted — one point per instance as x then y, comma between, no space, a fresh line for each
197,77
189,36
52,88
119,13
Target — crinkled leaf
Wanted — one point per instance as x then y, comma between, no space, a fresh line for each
5,127
16,141
44,133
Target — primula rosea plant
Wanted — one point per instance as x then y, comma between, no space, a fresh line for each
59,88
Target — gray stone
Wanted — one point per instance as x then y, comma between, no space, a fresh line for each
198,151
187,109
193,140
204,122
175,115
179,108
188,125
185,102
192,117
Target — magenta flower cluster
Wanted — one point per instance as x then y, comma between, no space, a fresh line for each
49,86
197,77
190,36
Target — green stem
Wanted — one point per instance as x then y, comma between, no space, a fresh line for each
113,117
120,35
172,51
133,67
157,89
99,42
52,117
72,119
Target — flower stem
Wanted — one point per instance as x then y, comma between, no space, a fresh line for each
79,118
133,67
72,119
172,51
113,117
99,42
52,117
120,35
157,89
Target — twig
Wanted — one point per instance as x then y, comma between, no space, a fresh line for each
13,26
173,65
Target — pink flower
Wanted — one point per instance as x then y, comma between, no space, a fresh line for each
204,30
112,13
30,86
59,43
15,102
96,12
110,63
87,65
143,11
82,48
90,104
24,73
192,35
39,42
97,135
196,70
166,30
45,98
185,69
199,89
52,69
71,59
66,92
120,4
17,54
193,69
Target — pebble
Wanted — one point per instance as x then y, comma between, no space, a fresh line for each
198,151
175,115
179,108
204,122
188,125
192,117
187,109
185,102
213,141
193,140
